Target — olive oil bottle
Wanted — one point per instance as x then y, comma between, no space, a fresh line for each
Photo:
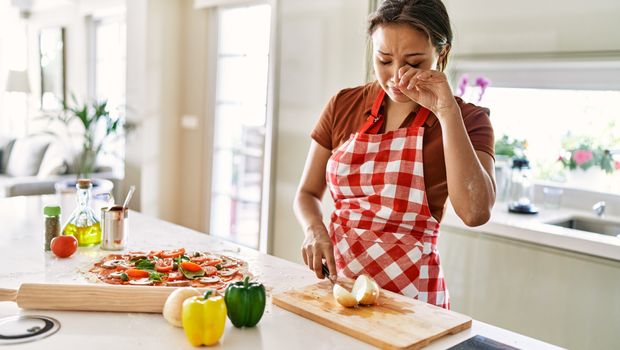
83,223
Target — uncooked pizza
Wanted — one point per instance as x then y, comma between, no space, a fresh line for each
173,268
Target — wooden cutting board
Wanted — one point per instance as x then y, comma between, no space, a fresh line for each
395,322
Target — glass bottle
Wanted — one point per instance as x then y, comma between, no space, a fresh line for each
521,188
83,224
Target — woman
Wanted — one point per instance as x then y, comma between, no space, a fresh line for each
391,152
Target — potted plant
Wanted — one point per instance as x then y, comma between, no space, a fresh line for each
587,160
96,130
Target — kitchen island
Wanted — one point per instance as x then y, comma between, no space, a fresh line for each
23,260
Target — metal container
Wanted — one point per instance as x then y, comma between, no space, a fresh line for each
114,227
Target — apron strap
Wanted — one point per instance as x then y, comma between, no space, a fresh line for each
374,122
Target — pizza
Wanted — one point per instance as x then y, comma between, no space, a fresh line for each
172,268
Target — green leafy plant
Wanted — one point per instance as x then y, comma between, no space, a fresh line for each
98,129
509,147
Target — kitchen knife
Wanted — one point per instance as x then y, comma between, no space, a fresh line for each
325,270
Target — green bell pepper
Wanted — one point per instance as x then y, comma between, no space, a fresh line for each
245,302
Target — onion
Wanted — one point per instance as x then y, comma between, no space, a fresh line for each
365,290
173,307
343,297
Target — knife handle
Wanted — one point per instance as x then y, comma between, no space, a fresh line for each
8,294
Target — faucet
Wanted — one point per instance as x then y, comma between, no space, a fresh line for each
599,208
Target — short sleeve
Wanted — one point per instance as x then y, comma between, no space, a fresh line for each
324,129
480,130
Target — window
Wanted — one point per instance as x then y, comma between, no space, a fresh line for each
240,123
110,35
552,120
108,73
555,106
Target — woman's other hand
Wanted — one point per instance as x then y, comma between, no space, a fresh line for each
428,88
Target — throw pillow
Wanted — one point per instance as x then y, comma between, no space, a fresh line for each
6,146
54,161
26,155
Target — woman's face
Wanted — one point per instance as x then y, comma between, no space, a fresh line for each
398,45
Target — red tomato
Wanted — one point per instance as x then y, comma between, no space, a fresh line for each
190,266
156,253
135,273
210,270
64,246
172,253
175,276
164,265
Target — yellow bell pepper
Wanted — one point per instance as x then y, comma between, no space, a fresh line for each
204,319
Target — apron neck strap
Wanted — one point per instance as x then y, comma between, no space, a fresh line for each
374,122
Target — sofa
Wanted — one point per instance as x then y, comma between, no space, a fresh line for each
33,165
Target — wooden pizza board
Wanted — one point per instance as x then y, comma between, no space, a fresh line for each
395,322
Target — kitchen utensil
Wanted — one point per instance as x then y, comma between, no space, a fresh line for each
88,297
395,322
114,227
129,195
325,270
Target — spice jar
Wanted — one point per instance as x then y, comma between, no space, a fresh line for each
52,224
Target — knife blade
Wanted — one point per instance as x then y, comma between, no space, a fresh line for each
325,270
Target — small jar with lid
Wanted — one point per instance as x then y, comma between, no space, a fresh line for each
52,224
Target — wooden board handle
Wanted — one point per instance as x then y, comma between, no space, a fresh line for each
8,294
92,297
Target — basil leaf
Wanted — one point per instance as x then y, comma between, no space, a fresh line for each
145,264
218,266
155,276
124,277
190,275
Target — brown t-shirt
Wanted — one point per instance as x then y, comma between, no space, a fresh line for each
346,112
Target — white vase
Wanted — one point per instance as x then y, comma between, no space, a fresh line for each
592,179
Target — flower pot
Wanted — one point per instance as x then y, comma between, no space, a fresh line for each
592,179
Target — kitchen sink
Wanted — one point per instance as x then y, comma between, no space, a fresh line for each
590,224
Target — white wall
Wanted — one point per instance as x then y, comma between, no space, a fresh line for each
154,97
322,50
532,26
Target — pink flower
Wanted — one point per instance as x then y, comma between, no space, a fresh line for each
617,165
483,83
582,156
463,84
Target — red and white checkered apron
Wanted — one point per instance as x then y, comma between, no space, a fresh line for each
382,225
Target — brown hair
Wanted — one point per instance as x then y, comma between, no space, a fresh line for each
428,16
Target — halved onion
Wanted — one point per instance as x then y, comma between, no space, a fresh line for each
343,297
365,290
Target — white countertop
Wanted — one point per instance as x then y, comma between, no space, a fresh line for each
535,229
24,260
